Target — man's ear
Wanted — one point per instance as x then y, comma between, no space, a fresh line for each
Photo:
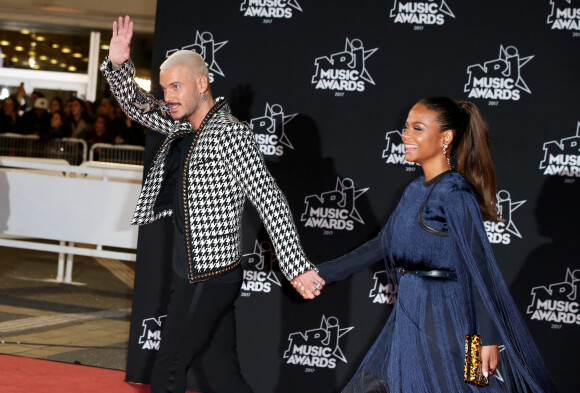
202,83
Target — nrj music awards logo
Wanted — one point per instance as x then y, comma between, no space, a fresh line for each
383,291
564,16
269,130
557,302
394,152
346,70
270,8
258,273
426,12
317,347
502,232
151,337
206,47
498,79
334,209
562,158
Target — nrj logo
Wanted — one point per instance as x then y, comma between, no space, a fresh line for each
562,158
269,130
344,71
269,8
317,347
426,12
334,209
206,47
151,337
394,152
498,79
258,273
563,16
501,232
557,302
383,291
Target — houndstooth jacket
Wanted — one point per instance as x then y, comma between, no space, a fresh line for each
224,166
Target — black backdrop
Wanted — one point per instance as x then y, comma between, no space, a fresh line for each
326,86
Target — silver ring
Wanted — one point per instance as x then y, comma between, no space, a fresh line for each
317,285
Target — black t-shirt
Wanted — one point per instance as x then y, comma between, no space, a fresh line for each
179,152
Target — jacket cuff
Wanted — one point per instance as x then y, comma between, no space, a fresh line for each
297,268
108,68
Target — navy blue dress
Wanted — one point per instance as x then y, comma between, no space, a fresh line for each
437,225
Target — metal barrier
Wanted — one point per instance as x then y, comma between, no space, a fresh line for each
120,154
73,150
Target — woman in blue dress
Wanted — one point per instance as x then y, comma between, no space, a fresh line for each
436,250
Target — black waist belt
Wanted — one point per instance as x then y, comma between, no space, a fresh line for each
429,273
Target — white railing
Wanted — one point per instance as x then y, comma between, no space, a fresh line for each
50,205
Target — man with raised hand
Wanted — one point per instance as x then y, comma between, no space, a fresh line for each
203,172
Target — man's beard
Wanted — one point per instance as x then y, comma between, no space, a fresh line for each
192,110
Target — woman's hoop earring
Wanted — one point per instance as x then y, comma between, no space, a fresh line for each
445,146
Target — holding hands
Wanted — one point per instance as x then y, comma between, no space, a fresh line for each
309,284
120,47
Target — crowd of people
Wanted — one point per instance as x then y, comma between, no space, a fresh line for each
98,122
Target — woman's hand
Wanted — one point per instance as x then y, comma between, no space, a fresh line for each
489,359
308,284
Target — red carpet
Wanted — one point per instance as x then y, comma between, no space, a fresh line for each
20,375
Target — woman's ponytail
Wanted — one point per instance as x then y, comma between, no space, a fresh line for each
474,160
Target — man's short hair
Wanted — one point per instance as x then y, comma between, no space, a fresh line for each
193,61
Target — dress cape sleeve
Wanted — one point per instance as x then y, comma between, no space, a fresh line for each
353,262
479,275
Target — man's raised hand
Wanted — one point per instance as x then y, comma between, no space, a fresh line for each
120,47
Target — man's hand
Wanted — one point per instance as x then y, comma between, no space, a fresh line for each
120,47
308,284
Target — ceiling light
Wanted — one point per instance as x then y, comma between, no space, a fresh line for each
40,38
43,58
18,48
55,46
53,61
66,50
105,47
24,31
4,43
62,65
143,83
72,68
77,55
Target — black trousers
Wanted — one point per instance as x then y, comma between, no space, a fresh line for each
200,318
